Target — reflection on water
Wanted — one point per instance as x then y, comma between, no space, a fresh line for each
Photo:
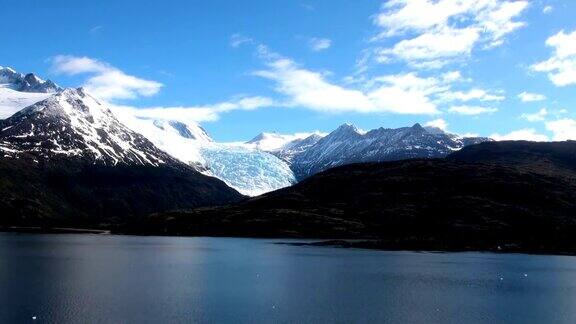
93,278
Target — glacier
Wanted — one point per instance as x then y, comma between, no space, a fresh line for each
250,171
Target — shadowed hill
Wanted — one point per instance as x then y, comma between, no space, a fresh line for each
69,192
512,195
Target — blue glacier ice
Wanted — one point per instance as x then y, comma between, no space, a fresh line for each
249,171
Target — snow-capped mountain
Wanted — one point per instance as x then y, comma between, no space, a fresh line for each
71,123
347,144
18,91
252,172
26,83
67,161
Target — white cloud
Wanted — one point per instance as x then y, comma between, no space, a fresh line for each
319,44
105,81
237,40
438,123
563,129
473,94
109,83
547,9
531,97
402,94
537,116
436,32
433,50
471,110
192,114
561,66
526,134
453,76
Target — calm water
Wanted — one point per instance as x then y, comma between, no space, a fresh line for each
123,279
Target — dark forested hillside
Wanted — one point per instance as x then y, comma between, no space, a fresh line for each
67,192
511,195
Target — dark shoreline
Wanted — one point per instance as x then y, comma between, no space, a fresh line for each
52,230
347,243
416,247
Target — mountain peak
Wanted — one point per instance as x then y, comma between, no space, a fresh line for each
26,83
346,128
74,124
417,126
32,78
263,136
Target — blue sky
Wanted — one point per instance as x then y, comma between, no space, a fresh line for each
243,67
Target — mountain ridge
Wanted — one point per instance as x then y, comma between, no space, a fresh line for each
73,123
347,144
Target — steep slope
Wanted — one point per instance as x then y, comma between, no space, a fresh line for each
67,161
348,145
73,123
487,202
250,171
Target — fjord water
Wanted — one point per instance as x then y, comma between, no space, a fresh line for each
112,279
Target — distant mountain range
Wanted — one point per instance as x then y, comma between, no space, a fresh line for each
347,145
266,163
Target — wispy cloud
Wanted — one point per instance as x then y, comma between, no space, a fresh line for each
110,83
402,94
193,114
319,44
237,40
472,94
531,97
433,33
105,81
472,110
